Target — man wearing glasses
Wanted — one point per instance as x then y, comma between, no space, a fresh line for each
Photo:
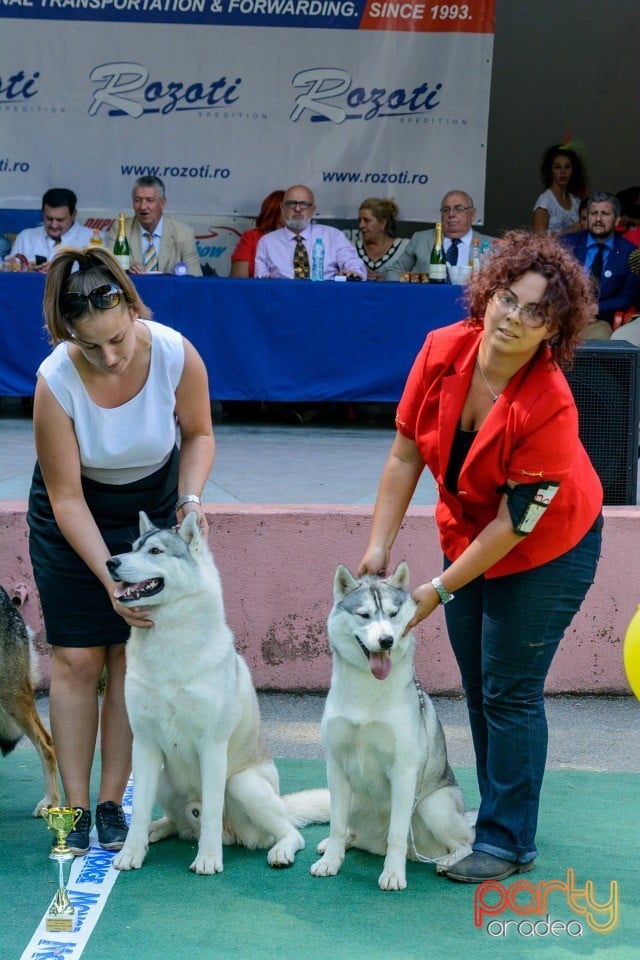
287,253
457,213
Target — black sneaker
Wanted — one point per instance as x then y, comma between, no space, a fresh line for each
112,826
78,840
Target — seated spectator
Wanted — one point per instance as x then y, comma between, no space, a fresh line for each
287,252
605,255
629,225
629,331
378,247
270,218
457,213
629,200
58,229
156,242
563,176
582,213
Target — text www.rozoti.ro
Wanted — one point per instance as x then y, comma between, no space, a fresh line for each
203,172
354,176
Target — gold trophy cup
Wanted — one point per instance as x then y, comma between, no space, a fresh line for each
61,821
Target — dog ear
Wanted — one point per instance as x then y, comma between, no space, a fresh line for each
400,577
343,583
189,530
145,523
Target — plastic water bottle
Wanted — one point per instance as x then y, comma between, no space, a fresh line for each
181,269
317,260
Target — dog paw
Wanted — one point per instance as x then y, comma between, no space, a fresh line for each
161,829
326,867
283,853
44,803
322,846
130,857
392,880
206,864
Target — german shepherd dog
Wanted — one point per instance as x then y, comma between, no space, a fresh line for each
18,714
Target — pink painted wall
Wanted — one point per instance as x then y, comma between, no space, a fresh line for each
277,566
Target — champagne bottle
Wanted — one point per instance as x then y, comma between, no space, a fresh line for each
438,263
121,247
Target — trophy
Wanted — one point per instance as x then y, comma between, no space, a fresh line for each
61,820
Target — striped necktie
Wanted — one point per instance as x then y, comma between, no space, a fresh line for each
150,258
300,260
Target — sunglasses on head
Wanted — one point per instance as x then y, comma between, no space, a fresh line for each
104,297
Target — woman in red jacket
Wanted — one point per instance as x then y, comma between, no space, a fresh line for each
489,411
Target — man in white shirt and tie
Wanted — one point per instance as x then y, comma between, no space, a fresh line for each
156,242
457,214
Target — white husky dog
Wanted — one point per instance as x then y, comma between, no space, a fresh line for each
392,790
194,713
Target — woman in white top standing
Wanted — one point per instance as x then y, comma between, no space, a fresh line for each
563,175
108,403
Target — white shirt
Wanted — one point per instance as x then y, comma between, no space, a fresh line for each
36,241
122,444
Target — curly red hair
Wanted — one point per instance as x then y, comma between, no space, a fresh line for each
568,299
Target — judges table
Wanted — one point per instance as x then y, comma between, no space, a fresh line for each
275,340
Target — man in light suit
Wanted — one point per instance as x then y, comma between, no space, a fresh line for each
156,242
457,213
605,255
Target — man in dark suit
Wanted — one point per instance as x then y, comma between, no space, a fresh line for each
157,242
605,255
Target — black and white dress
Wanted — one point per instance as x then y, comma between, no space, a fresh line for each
383,264
129,462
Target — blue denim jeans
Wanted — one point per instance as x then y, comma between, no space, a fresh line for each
504,633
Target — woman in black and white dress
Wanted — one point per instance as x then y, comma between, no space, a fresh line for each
378,245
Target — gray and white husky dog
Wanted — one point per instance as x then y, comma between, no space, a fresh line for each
194,713
392,790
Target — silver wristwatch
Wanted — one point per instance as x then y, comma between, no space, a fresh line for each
187,498
441,590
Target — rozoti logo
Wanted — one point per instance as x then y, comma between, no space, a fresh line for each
329,95
125,90
18,87
525,899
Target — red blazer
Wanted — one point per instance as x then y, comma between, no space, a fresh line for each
531,433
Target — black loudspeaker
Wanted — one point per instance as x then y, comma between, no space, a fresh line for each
605,382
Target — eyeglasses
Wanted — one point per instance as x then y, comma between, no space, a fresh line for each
445,211
104,297
530,314
290,204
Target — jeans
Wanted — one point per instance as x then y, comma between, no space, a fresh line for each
504,633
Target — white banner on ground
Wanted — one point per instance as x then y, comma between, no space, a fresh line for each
227,100
90,882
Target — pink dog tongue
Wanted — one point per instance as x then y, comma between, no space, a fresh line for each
380,665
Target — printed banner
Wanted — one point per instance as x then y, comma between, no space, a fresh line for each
227,100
